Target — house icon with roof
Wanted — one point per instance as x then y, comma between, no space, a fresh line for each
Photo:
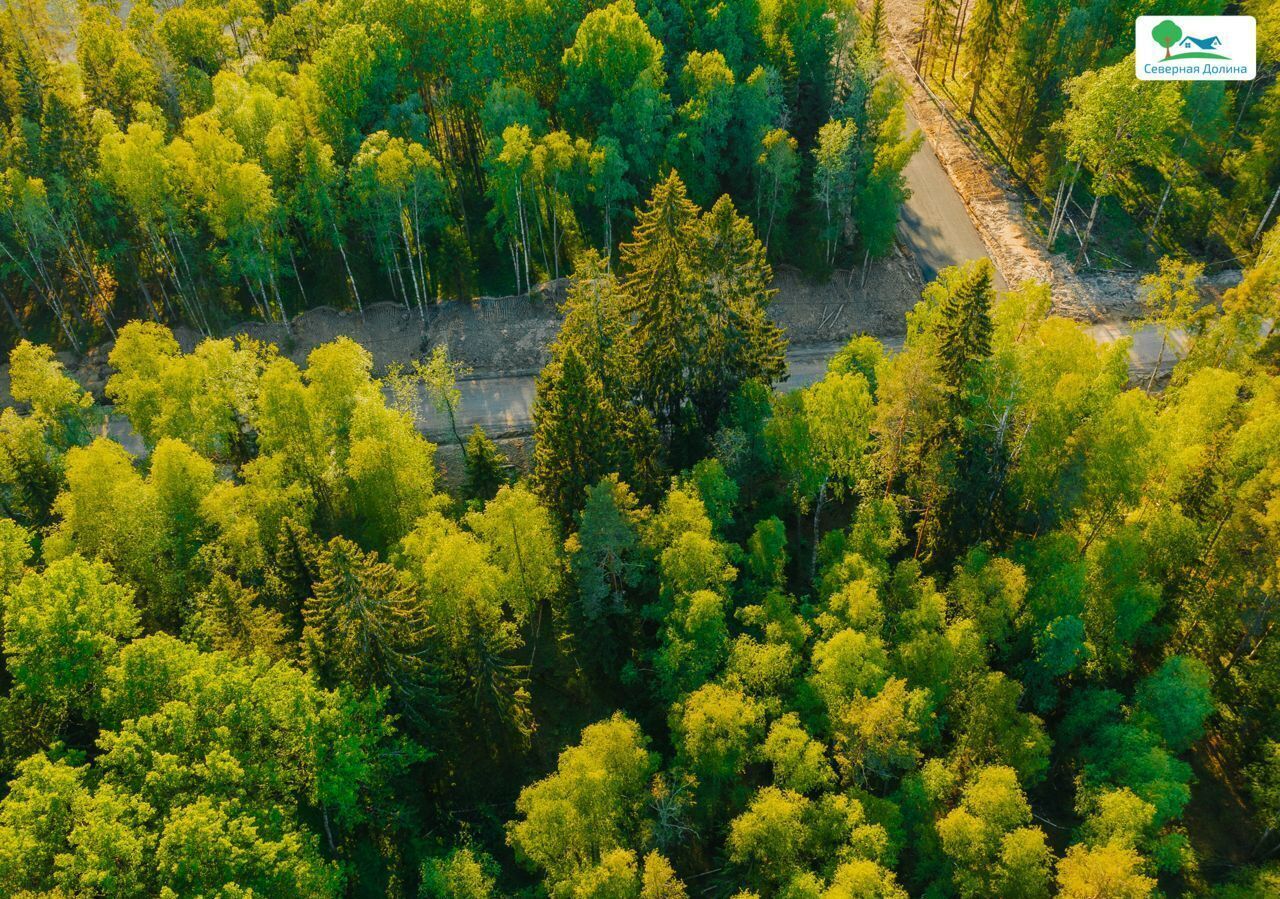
1200,43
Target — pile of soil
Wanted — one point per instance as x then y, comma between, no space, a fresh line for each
489,335
820,312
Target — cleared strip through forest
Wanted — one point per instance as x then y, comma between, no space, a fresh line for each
503,406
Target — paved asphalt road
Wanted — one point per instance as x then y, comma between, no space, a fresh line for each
935,222
502,406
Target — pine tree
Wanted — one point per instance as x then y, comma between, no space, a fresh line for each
699,286
608,564
228,617
744,344
964,342
586,415
575,434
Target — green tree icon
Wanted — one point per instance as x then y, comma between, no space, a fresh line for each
1167,33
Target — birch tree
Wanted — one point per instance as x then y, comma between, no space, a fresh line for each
400,188
1113,124
833,183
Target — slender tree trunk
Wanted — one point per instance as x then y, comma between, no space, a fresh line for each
146,293
201,320
13,315
1164,198
275,288
1097,528
413,272
608,228
924,38
1168,187
351,279
524,235
921,526
180,305
262,310
1088,228
167,304
542,240
1265,216
1019,126
328,830
978,76
1066,205
1246,641
1164,339
398,269
957,38
1235,126
555,228
297,276
817,515
773,210
1057,207
453,426
430,293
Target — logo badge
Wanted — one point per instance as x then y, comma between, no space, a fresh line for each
1195,48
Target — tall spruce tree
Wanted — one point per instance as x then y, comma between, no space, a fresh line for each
964,344
699,286
965,329
659,278
363,626
587,423
733,286
575,434
486,467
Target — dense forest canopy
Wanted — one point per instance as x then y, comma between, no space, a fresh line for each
205,161
974,618
980,616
